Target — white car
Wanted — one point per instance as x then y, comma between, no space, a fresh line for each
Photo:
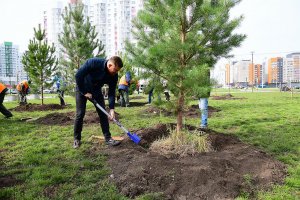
46,91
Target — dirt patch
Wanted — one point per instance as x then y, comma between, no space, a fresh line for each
192,111
231,169
50,191
38,107
137,104
91,117
6,180
137,97
225,97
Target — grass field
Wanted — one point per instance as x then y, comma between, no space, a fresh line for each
43,165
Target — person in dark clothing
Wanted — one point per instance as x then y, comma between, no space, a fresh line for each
60,91
90,78
3,110
150,95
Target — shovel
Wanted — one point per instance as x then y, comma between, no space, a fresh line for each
134,137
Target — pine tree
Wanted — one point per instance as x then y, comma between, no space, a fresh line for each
180,40
78,41
39,60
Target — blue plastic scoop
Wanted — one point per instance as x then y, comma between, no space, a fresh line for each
134,137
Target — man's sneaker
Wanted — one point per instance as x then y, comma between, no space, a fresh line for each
76,144
8,116
203,127
112,142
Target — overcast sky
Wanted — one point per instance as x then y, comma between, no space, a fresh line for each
272,26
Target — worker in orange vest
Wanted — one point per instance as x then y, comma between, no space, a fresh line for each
23,90
3,110
124,84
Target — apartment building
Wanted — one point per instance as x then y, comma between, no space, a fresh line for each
11,68
258,74
291,68
275,73
112,19
237,73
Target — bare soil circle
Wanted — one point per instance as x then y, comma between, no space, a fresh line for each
37,107
193,111
231,169
62,119
226,97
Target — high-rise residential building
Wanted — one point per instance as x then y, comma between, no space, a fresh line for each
112,19
100,16
275,73
255,74
258,74
291,68
11,68
264,76
54,24
227,74
240,72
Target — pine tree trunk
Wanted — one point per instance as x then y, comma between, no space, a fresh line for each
180,112
42,91
181,93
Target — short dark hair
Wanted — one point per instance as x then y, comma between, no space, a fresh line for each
117,61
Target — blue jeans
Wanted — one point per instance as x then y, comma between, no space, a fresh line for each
203,105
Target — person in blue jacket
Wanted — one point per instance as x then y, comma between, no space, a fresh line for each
124,85
90,78
60,85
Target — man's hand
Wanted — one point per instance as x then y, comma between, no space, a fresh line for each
88,95
112,114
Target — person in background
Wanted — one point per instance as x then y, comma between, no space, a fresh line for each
203,103
3,110
60,91
203,106
23,90
138,86
124,85
166,91
150,95
90,78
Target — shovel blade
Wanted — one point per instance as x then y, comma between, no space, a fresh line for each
134,137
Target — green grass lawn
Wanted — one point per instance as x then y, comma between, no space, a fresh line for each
42,158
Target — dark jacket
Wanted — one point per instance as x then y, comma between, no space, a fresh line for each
92,75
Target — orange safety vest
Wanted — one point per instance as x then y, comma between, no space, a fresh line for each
2,87
123,81
25,83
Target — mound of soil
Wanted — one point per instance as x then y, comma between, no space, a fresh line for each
37,107
68,118
192,111
225,97
233,168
